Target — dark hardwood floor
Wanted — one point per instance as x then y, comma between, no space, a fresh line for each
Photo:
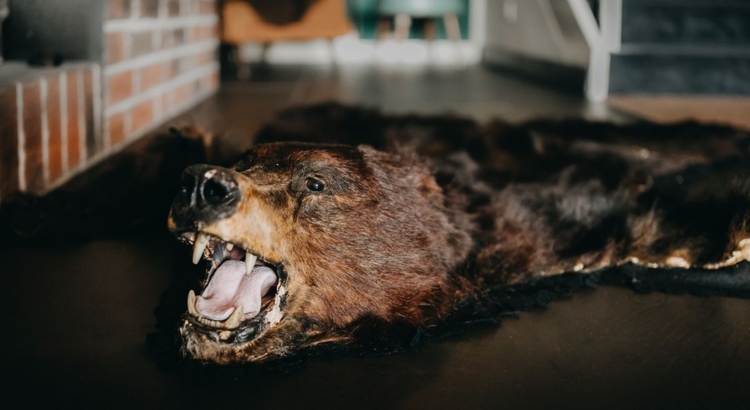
81,312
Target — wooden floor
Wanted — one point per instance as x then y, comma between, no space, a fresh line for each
726,110
242,107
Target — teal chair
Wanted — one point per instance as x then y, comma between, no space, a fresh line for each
364,15
402,11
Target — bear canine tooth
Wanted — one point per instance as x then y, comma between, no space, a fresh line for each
191,303
200,245
249,262
234,321
230,246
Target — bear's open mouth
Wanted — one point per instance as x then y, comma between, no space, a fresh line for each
242,294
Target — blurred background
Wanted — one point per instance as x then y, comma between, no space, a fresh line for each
82,79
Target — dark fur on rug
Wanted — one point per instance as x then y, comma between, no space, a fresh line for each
573,192
551,206
634,205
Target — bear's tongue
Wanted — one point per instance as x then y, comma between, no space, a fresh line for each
231,286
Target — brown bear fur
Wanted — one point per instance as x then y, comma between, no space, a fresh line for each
422,217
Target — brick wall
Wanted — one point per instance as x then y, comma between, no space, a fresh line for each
159,59
49,125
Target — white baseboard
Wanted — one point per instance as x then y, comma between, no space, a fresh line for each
351,49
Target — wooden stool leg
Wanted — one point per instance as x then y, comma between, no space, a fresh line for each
403,25
383,29
430,29
452,27
431,34
453,30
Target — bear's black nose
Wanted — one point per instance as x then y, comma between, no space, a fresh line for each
207,193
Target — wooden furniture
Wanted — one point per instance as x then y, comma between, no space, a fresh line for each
241,24
402,12
324,19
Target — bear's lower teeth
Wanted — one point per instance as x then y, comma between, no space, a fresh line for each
232,322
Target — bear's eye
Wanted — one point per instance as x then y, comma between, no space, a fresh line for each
314,184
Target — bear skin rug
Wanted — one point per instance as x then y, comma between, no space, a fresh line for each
343,226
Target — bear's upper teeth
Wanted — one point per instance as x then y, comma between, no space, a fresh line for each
249,262
201,240
230,246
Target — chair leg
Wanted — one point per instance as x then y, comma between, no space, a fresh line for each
403,25
430,29
332,53
241,68
383,29
452,27
453,30
264,52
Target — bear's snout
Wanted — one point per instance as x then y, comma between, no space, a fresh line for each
208,193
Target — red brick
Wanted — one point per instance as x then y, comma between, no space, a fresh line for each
152,76
118,9
143,114
119,87
173,38
173,69
74,154
213,81
115,48
8,141
149,8
54,125
183,94
204,58
158,108
32,126
173,8
206,7
116,125
201,33
195,34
